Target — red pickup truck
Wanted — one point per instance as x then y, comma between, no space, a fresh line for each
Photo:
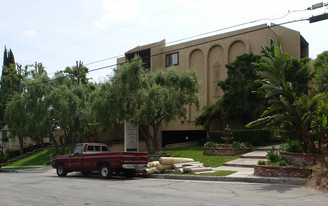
88,157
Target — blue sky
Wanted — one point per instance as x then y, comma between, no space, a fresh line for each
58,33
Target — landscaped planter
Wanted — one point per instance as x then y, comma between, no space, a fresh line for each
298,158
278,171
225,151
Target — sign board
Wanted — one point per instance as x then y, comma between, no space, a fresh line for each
131,137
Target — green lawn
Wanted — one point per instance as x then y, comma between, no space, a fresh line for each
196,152
39,158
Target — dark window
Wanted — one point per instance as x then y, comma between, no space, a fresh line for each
4,133
90,148
104,149
172,59
272,42
97,148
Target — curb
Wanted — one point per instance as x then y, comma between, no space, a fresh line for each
255,179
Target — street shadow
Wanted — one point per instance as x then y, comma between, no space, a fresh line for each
95,176
280,188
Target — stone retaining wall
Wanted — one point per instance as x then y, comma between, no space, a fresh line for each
298,158
225,151
276,171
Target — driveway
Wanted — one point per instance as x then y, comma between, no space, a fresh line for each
43,187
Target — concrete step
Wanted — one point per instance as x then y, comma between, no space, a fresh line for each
243,162
268,148
255,155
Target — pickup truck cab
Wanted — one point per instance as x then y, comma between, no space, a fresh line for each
88,157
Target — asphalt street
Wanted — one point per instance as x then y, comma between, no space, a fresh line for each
42,187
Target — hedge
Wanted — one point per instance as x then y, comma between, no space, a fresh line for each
253,136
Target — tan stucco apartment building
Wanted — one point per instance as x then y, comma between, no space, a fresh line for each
208,56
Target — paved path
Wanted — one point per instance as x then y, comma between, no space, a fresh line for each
249,159
245,171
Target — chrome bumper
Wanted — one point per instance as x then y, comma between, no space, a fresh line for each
135,166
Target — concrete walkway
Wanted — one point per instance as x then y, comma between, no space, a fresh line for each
245,171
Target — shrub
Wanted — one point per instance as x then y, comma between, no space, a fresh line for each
211,145
261,162
291,146
236,144
253,136
273,156
246,145
4,158
12,153
282,163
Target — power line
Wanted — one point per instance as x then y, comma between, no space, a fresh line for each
203,34
206,42
119,28
186,47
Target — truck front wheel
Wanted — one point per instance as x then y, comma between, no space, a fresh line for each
105,171
61,171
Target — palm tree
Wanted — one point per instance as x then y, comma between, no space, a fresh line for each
287,114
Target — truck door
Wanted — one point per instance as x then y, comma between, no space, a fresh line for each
76,159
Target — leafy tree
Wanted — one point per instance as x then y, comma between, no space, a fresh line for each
16,117
209,114
77,73
321,72
37,106
297,72
3,143
69,107
239,101
147,99
288,114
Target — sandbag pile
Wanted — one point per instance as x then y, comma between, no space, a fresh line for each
177,165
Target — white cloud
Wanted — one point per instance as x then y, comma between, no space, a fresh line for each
31,33
118,11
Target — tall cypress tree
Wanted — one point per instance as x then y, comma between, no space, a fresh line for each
9,80
11,58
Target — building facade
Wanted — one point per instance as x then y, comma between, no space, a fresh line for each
208,57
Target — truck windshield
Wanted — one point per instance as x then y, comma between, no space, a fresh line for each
78,149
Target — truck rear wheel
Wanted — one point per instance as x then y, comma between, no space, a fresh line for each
61,171
105,171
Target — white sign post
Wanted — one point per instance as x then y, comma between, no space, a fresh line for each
131,137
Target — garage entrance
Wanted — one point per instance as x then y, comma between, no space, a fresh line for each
171,137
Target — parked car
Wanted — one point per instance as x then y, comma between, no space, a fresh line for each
88,157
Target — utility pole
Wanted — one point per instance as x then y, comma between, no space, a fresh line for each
78,66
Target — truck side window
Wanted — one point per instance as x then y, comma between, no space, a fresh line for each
97,148
104,149
90,148
78,149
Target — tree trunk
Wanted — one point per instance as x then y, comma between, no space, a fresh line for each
21,145
63,148
54,142
95,132
41,141
144,131
155,135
